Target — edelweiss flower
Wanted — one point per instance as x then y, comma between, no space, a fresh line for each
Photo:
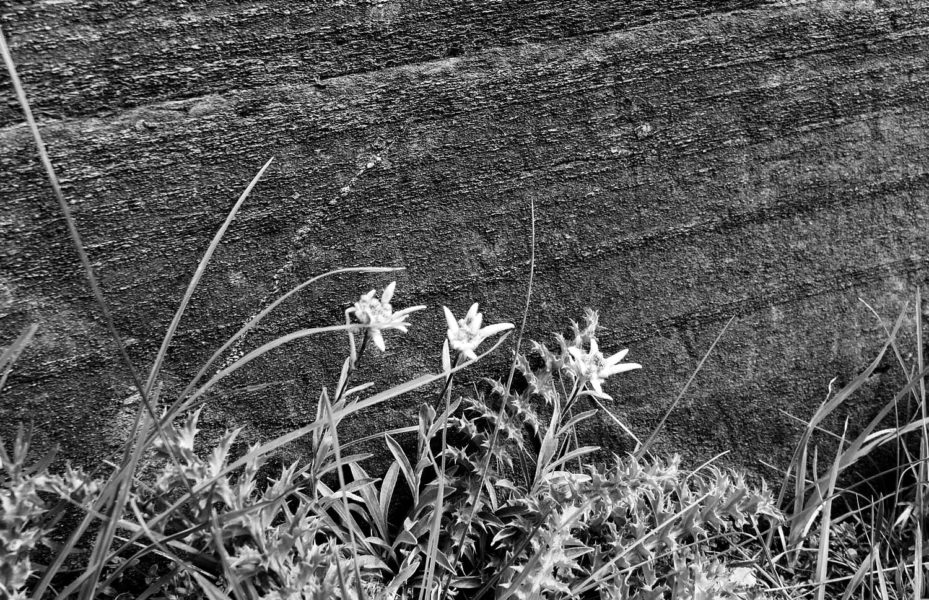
379,314
592,367
467,334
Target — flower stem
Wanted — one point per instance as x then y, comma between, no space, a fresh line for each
448,384
352,367
563,447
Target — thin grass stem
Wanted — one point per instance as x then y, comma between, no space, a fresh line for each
651,438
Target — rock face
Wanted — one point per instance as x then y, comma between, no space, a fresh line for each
688,164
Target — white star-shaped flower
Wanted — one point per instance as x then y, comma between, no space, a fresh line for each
378,314
465,335
594,368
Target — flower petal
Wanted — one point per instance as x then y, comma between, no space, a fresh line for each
402,313
616,358
601,395
388,292
472,312
616,369
490,330
450,319
378,339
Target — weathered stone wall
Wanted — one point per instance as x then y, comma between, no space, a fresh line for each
689,163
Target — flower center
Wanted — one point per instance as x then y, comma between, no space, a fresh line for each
590,364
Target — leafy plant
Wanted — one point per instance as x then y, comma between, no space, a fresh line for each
494,503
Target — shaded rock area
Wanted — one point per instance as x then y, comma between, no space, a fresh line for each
688,164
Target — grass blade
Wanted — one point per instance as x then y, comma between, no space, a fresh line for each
210,590
350,523
98,558
922,479
75,235
822,556
615,419
918,564
195,280
261,315
11,354
182,404
432,544
380,434
89,275
640,452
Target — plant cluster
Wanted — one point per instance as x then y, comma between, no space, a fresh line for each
495,501
847,534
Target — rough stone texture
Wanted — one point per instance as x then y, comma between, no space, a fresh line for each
689,163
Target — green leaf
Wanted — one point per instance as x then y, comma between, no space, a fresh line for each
212,592
406,468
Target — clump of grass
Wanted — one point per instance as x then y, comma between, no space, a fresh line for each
497,508
844,537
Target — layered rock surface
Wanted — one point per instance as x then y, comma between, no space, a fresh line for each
688,164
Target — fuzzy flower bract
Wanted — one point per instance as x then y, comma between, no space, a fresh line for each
379,315
592,367
466,334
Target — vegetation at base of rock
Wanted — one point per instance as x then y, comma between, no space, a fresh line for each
493,499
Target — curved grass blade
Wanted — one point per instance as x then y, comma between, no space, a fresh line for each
374,436
432,545
9,356
195,280
640,452
350,523
257,318
181,404
822,554
98,557
90,276
76,240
